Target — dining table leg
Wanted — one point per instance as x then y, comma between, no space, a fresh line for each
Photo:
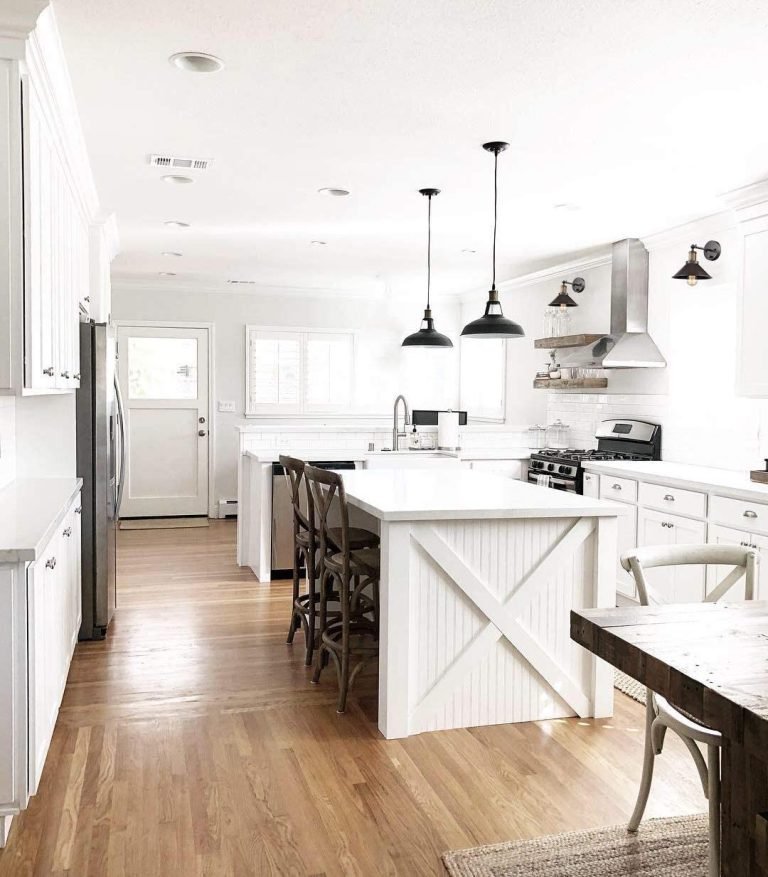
744,818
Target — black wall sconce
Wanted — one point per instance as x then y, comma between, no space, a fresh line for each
692,270
563,300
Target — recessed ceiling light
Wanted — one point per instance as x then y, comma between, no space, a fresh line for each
567,206
167,273
176,223
337,193
170,253
176,179
196,62
320,243
468,251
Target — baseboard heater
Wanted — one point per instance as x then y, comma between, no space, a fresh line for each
227,508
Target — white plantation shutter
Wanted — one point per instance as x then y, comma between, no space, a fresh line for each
483,377
295,372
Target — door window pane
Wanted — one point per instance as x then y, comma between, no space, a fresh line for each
162,368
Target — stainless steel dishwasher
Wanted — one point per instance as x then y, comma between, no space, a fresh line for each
282,515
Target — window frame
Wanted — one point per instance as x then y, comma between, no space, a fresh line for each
303,409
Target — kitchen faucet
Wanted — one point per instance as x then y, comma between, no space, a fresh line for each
407,419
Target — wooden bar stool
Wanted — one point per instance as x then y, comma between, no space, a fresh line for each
305,553
352,573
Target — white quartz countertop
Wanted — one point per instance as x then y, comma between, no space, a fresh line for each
30,511
416,494
271,455
721,481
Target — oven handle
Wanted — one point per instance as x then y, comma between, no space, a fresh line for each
554,483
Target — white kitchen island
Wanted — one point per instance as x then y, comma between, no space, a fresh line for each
478,577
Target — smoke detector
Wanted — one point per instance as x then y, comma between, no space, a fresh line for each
175,162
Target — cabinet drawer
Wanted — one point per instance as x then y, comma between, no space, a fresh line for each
673,499
621,489
743,515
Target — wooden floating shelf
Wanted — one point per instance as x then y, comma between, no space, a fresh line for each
566,341
571,384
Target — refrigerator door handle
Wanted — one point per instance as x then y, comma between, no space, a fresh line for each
121,422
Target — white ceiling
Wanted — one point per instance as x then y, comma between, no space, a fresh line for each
639,112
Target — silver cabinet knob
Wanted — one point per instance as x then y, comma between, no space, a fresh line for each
750,514
49,371
617,487
50,563
65,375
67,532
79,510
77,376
669,498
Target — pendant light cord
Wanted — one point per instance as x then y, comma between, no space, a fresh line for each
429,247
495,210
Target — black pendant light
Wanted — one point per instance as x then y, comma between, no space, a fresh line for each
563,300
428,336
692,270
493,323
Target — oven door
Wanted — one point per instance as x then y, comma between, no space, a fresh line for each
556,482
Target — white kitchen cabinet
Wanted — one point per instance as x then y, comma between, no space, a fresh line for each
681,584
503,468
720,535
39,624
591,485
56,256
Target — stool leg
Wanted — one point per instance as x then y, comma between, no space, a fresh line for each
321,658
344,657
309,566
295,620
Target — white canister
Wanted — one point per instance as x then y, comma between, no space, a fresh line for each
448,430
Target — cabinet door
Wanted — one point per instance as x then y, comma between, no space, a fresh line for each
502,468
719,535
681,584
627,539
591,485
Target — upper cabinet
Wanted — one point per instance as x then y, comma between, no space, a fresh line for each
54,248
750,205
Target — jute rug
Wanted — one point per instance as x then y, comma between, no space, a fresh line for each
631,687
161,523
676,847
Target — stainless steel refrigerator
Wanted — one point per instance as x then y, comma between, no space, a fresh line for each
100,463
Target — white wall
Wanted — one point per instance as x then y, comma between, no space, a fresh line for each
429,379
694,398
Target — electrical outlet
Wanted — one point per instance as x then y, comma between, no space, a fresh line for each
226,407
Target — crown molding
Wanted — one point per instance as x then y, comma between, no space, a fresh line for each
139,283
17,21
748,202
695,231
584,263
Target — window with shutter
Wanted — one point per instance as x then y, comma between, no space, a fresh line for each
298,371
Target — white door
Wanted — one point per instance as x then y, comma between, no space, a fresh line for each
163,375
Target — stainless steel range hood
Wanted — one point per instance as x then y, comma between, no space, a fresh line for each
628,345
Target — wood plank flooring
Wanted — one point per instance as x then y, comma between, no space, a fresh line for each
191,743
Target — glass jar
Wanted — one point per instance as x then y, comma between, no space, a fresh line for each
537,437
549,325
558,434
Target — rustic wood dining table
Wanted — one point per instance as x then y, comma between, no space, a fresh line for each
711,660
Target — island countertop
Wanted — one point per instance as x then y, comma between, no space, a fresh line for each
460,494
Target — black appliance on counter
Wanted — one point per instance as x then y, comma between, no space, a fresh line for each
426,417
562,468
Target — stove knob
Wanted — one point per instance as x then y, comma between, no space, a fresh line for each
563,469
551,467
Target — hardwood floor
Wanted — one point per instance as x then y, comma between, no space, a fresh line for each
191,743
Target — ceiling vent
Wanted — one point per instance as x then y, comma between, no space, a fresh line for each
243,282
175,162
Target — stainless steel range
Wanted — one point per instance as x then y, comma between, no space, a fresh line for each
562,469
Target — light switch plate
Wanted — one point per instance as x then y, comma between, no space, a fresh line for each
227,407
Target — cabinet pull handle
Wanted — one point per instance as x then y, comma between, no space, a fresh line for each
750,514
79,510
50,563
617,487
49,371
669,498
77,376
65,375
67,532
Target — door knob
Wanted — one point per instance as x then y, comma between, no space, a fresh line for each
201,433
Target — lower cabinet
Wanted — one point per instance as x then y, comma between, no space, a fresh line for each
720,535
627,540
39,624
682,584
